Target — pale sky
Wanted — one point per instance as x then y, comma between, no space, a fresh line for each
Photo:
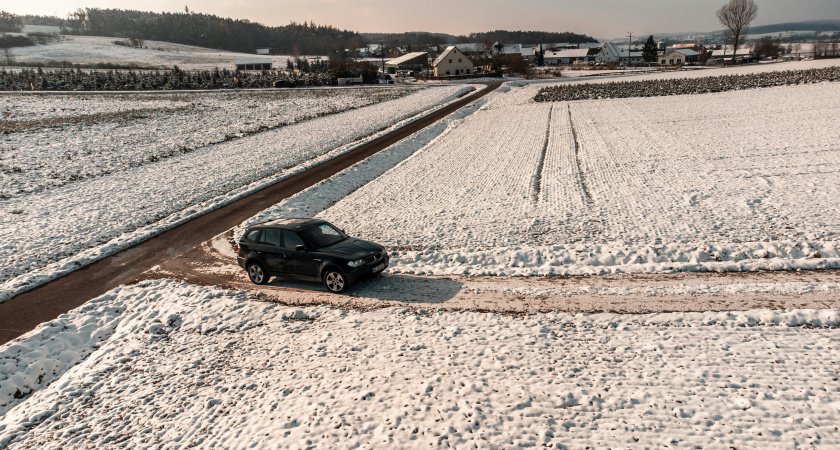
597,18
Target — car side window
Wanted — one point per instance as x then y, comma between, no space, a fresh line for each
270,237
291,239
253,235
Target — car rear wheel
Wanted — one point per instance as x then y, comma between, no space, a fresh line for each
257,273
335,281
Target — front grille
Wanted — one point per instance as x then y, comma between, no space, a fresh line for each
373,258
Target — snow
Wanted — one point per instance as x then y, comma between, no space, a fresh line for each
65,138
169,364
688,183
51,232
154,54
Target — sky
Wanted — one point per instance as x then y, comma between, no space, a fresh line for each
597,18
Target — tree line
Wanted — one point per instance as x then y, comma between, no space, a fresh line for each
526,37
207,30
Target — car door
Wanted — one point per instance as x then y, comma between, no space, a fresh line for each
271,251
300,263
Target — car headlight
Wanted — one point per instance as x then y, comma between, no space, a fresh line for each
356,263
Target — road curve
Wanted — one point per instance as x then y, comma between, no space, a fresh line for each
46,302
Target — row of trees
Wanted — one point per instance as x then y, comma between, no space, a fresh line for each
210,31
525,37
829,48
10,22
121,80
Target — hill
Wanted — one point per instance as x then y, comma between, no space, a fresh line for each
527,37
210,31
409,38
810,25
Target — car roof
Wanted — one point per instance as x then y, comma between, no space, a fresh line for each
294,224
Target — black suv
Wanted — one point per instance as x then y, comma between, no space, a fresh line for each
308,249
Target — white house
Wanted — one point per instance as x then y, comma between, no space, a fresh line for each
727,53
609,54
672,58
453,62
569,56
529,52
691,56
612,54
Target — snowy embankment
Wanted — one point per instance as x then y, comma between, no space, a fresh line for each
735,181
96,49
54,231
165,363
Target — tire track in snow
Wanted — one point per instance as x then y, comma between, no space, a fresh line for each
538,178
583,184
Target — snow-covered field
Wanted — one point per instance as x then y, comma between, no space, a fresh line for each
58,139
744,180
97,49
47,231
170,365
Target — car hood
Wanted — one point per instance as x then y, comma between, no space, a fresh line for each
351,247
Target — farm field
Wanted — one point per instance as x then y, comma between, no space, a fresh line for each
156,54
130,166
681,183
166,364
51,140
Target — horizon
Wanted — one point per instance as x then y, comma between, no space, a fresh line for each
471,16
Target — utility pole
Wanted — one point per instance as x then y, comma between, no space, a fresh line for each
382,55
629,44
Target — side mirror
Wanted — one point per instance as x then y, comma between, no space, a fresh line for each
300,248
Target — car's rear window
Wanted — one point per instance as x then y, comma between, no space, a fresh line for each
270,237
252,235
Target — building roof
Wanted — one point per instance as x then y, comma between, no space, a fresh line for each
408,57
470,47
252,61
676,46
684,51
728,52
568,53
509,49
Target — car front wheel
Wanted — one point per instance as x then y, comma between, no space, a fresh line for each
335,281
257,273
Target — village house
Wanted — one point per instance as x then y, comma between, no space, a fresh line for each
568,56
414,62
453,62
396,52
672,58
691,55
611,54
726,54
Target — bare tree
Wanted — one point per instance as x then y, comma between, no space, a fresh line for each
736,17
8,58
820,49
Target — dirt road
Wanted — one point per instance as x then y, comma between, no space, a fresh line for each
25,311
214,263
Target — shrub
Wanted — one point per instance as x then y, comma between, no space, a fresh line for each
8,41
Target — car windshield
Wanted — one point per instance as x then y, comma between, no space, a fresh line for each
323,235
